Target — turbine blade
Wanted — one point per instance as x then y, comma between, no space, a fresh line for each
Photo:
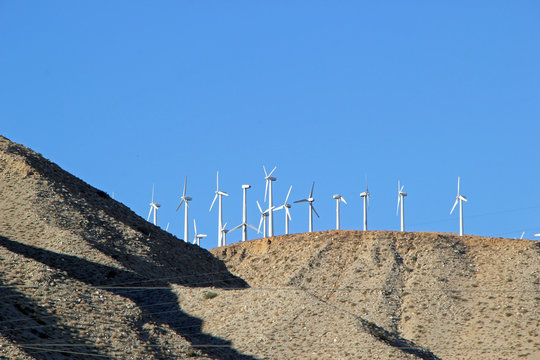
195,227
313,208
224,226
259,206
266,189
453,207
279,207
260,223
462,197
311,192
274,169
180,204
342,199
397,207
223,193
235,228
185,184
299,201
215,197
150,213
288,213
253,227
265,173
289,193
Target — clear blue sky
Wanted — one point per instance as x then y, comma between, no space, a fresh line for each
124,94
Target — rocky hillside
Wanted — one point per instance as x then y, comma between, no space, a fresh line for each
82,276
378,294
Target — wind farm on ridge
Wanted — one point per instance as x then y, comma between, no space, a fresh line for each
267,209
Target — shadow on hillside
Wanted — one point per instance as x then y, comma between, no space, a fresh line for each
388,337
157,302
34,330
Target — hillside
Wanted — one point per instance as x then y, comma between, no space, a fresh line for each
377,294
82,276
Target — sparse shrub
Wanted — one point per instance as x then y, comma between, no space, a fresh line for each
209,295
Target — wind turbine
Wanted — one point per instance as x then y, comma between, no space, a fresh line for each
365,195
244,223
287,212
198,237
220,210
185,199
459,198
224,232
537,234
401,201
339,199
264,215
153,207
268,188
310,200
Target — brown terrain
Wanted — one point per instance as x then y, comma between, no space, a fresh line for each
82,276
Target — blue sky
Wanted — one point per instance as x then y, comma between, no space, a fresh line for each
126,94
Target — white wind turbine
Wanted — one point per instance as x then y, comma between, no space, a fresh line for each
220,210
287,212
310,200
264,215
459,198
153,207
401,201
198,237
339,199
268,189
224,232
185,199
365,195
244,223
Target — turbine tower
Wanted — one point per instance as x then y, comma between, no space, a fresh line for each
401,201
198,237
244,223
268,189
185,199
365,195
287,212
339,199
459,198
153,207
220,210
310,200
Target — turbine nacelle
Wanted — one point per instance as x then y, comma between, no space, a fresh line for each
339,198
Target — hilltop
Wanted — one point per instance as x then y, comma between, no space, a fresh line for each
82,276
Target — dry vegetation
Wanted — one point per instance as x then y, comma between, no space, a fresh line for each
82,276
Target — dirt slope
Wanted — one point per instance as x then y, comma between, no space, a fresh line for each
352,294
82,274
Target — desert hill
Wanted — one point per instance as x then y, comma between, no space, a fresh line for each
378,294
82,276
